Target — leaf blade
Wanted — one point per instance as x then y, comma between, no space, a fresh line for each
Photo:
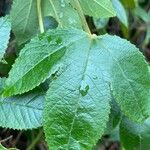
73,109
44,54
24,20
120,11
22,112
5,28
128,76
98,8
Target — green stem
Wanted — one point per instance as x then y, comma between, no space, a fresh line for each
76,4
35,141
40,16
55,12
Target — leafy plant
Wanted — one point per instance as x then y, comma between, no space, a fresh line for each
84,73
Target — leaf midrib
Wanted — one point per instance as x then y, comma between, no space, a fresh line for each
27,18
79,96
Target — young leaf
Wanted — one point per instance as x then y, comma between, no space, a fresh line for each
135,136
5,28
120,11
24,19
62,11
98,8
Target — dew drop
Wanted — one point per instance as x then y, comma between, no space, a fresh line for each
84,88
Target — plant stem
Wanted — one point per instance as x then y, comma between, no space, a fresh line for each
82,17
8,138
40,16
55,12
35,140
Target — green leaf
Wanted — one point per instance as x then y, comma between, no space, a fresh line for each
135,136
24,19
68,98
5,28
98,8
129,78
44,51
120,11
22,112
62,11
77,103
